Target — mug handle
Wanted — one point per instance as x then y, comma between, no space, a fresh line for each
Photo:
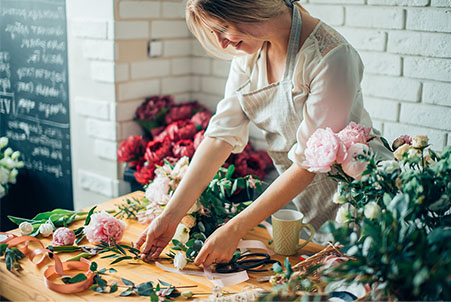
312,232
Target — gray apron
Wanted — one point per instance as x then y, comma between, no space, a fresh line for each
273,110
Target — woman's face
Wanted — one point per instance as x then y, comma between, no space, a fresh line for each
243,37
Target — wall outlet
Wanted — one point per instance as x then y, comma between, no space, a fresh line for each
154,48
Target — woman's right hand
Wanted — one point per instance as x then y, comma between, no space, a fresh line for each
156,237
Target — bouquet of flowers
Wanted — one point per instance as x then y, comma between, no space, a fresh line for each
218,203
173,131
9,165
395,223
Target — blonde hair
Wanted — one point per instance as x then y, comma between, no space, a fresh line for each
227,12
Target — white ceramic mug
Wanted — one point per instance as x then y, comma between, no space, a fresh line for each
287,224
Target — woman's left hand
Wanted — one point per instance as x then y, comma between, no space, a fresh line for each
219,247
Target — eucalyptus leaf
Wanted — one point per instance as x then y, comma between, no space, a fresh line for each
77,278
128,282
145,289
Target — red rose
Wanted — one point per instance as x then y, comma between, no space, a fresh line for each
184,147
201,119
157,150
152,106
145,174
155,132
132,150
198,138
246,164
181,130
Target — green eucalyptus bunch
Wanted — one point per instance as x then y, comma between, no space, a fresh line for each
396,226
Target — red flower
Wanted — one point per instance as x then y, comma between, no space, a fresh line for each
246,164
266,160
132,150
184,147
201,119
181,130
198,138
152,106
177,113
155,132
157,150
145,174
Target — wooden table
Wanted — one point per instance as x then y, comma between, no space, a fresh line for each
28,284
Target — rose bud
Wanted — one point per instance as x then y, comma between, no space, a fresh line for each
403,139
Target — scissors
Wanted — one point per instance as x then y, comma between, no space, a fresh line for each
251,262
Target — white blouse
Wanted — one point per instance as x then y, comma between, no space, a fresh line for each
326,90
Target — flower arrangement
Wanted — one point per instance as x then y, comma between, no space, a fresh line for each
395,224
172,131
9,165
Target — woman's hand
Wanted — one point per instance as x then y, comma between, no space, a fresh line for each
219,247
156,237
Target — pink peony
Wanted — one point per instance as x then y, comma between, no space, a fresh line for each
104,227
324,148
352,166
353,134
63,236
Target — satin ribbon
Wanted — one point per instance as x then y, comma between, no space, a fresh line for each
223,280
257,244
59,269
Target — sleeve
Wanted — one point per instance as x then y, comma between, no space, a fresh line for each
230,124
334,85
237,76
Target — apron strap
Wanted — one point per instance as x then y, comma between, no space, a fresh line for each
293,43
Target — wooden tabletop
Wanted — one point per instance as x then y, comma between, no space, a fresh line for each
28,284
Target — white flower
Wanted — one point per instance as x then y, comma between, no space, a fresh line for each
388,166
8,152
25,228
181,233
338,199
2,191
15,155
372,210
8,163
420,141
46,229
12,176
4,175
180,261
3,142
180,168
399,153
342,215
158,190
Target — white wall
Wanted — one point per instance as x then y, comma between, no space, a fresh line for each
405,44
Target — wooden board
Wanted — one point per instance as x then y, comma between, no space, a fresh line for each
28,284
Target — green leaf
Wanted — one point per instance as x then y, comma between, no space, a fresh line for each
77,278
102,271
201,227
112,270
18,220
145,289
126,293
93,267
88,218
3,247
197,245
47,215
277,268
190,243
121,258
386,144
113,287
117,246
200,236
128,282
165,283
154,297
80,239
230,171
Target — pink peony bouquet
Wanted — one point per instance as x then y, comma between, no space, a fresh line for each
326,149
104,227
63,236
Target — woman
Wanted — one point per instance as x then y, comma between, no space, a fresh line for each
296,75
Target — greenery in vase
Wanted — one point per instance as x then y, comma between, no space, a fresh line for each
397,225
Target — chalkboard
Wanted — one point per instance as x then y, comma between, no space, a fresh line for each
34,104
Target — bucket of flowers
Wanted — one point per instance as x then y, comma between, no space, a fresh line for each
172,131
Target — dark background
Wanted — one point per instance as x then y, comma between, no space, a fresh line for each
34,105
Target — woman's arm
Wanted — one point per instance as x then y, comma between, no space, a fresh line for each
208,158
220,246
